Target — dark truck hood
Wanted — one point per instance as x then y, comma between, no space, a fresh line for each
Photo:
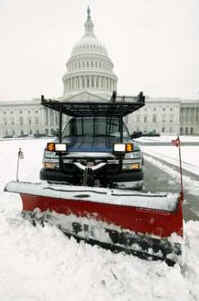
93,144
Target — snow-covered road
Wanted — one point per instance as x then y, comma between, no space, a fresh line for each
41,264
170,154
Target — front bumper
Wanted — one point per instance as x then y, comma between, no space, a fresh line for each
106,174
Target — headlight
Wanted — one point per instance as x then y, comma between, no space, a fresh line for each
133,155
119,148
60,147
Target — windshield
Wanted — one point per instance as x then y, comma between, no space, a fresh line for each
93,127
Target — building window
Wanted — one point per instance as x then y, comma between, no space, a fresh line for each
191,131
154,118
163,130
145,119
21,120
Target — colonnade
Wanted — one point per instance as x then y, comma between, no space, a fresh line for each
95,82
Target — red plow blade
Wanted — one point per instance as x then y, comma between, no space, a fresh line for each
130,221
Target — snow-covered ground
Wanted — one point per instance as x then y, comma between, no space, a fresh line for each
167,139
170,154
41,264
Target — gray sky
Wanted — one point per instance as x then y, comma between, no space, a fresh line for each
154,45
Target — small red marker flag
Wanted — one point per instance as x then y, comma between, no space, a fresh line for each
176,142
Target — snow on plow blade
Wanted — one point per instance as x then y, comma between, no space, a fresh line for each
122,220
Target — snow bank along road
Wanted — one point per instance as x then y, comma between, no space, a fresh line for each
41,264
166,159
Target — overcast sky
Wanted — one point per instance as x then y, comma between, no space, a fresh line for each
154,45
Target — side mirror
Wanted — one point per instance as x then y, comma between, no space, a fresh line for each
136,135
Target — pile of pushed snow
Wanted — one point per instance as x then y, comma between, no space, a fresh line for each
40,263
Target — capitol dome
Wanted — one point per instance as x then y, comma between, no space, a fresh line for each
89,68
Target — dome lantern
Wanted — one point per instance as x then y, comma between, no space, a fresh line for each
89,24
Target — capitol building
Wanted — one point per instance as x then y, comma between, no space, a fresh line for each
90,77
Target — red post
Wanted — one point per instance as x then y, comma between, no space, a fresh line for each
177,143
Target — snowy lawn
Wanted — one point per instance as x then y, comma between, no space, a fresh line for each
41,264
